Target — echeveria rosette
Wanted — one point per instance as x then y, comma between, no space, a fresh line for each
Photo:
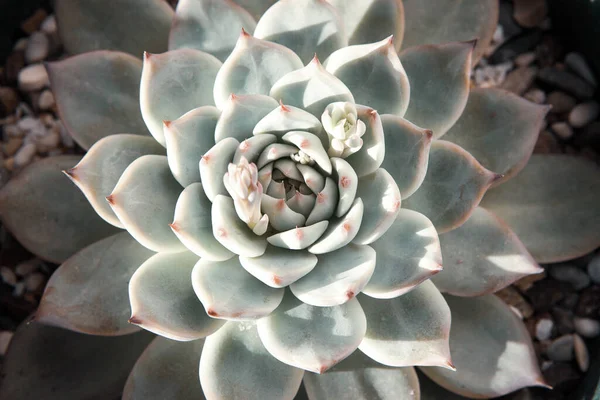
293,212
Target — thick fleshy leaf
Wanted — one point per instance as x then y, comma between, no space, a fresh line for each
88,292
368,21
281,216
347,182
433,391
47,214
213,166
454,185
408,254
407,147
327,200
193,225
227,291
312,338
187,139
135,25
370,156
100,169
499,129
311,146
256,7
41,356
340,231
236,365
289,118
163,299
552,206
299,238
279,267
311,88
240,115
432,22
212,26
174,83
307,27
374,74
412,329
167,369
487,341
482,256
144,200
382,200
252,68
338,277
96,112
360,378
312,178
231,232
439,83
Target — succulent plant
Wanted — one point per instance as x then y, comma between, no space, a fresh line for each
277,219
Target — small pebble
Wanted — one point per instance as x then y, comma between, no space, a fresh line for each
8,276
27,267
562,130
566,81
49,25
5,338
9,100
33,23
589,302
38,48
519,80
587,327
25,155
9,164
561,349
46,100
560,102
543,328
12,131
34,281
11,146
546,144
19,289
582,356
563,320
21,44
570,273
525,59
583,114
512,297
536,95
48,142
577,63
33,77
593,268
530,13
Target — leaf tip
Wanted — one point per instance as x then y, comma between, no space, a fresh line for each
212,312
175,226
542,383
111,199
429,134
70,173
350,294
448,364
166,123
232,97
244,34
147,55
134,320
283,107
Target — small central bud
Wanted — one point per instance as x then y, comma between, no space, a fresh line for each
344,129
302,158
241,181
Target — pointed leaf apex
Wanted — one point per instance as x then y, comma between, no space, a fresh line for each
212,312
542,383
429,134
175,226
282,107
315,60
244,33
70,173
147,55
232,97
167,123
450,365
134,320
390,40
496,177
111,199
373,113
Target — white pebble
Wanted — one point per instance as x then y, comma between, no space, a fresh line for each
577,63
38,48
584,113
8,276
33,77
49,25
593,267
27,267
536,95
19,289
25,155
5,338
543,329
498,36
34,281
46,100
561,349
587,327
582,356
562,130
48,142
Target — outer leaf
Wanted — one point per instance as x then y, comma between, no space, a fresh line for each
256,7
135,25
368,21
229,292
100,169
212,26
439,82
312,338
360,378
374,75
253,67
163,299
338,276
432,22
482,256
236,365
40,357
340,231
187,139
279,267
96,112
311,88
307,27
407,147
432,391
47,214
408,330
144,200
166,370
88,292
408,254
193,224
240,115
487,341
499,129
454,185
174,83
552,206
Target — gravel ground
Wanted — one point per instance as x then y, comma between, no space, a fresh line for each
560,307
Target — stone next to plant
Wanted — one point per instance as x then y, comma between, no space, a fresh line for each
320,200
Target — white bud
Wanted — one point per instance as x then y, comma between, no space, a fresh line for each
344,129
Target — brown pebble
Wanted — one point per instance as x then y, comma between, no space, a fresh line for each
9,100
10,147
529,13
546,144
527,282
512,297
519,80
589,302
33,23
560,102
14,64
